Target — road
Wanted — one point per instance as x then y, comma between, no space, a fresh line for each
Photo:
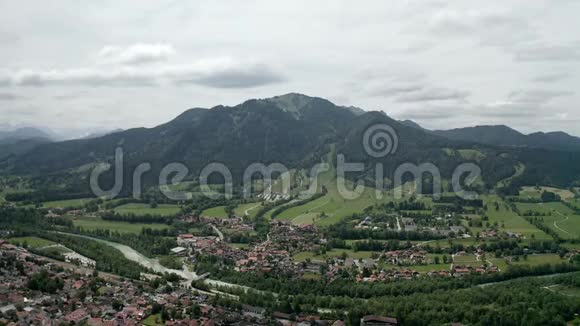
247,211
398,224
219,233
559,228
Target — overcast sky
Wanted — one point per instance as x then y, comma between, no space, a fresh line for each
444,64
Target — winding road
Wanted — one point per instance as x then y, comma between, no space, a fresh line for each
559,228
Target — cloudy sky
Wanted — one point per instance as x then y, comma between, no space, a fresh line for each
84,65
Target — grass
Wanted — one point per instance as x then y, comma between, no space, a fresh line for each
511,221
71,203
33,242
532,260
536,192
153,320
250,208
561,218
332,207
219,211
144,209
95,223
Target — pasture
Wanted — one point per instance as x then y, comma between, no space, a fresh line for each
96,223
218,211
536,192
145,209
509,219
560,218
71,203
249,209
33,242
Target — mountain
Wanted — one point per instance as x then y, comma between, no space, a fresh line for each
411,123
501,135
23,134
297,131
98,134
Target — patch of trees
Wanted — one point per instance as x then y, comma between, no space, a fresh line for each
46,195
458,201
149,242
133,218
107,258
41,281
539,223
19,219
548,196
345,286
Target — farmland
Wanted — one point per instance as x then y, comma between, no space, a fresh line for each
144,209
95,223
71,203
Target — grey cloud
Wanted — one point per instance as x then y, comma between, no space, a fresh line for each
234,77
218,73
8,97
137,53
395,90
430,113
550,78
536,96
569,52
433,94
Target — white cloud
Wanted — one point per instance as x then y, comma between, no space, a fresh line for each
137,53
433,94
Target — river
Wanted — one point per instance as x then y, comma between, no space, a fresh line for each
134,255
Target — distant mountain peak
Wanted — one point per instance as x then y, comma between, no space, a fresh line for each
411,123
292,102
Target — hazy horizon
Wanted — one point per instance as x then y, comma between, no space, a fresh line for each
92,67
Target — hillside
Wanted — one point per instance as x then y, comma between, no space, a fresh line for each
505,136
296,130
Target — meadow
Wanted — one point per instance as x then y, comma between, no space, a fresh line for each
71,203
95,223
33,242
561,219
145,209
249,209
510,220
218,211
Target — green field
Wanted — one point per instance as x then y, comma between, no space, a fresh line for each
536,192
144,209
33,242
512,221
532,260
332,205
71,203
219,211
153,320
95,223
561,218
250,208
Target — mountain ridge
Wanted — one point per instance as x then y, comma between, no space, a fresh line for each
295,130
